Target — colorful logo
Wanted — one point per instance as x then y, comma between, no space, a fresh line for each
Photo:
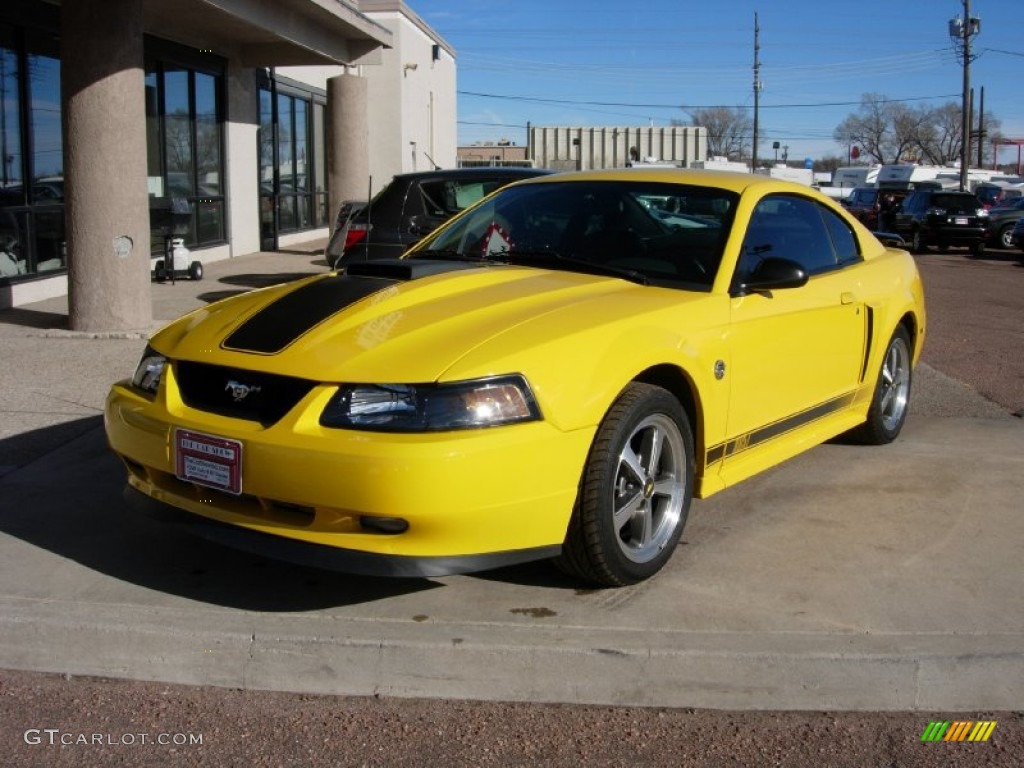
959,730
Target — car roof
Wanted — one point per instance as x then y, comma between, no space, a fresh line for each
729,180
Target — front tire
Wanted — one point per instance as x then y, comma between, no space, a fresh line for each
1006,236
635,493
888,410
978,250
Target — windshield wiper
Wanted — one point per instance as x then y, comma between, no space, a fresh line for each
555,260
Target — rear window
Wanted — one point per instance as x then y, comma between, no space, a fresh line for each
950,200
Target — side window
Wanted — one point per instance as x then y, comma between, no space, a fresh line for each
843,240
788,227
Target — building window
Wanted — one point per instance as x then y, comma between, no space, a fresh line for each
184,133
293,176
31,214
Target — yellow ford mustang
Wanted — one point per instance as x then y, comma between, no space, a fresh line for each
553,374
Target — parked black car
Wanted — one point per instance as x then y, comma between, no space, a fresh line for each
940,218
411,206
1001,220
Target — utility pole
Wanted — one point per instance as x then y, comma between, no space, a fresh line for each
757,90
981,130
960,32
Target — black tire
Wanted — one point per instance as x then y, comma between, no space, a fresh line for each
195,270
645,426
158,271
978,249
1006,236
891,399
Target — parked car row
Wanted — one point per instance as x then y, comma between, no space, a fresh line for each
932,216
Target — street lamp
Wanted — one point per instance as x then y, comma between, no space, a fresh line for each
960,33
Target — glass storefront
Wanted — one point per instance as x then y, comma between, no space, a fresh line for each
32,212
293,178
184,134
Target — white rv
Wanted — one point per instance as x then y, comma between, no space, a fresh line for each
855,176
908,176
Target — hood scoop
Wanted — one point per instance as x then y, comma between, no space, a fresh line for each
406,269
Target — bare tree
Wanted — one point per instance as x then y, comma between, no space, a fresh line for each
729,130
877,128
891,132
938,139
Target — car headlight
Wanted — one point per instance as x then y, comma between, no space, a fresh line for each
149,371
432,407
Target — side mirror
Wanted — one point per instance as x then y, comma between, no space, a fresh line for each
772,274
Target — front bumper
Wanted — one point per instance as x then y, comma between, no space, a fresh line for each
327,557
471,499
955,235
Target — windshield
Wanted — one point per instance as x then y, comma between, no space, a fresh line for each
646,231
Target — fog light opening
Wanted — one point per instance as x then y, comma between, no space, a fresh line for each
389,525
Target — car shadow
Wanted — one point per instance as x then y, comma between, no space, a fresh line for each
68,502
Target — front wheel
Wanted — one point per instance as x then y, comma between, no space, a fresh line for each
888,410
917,242
195,270
1006,236
635,493
978,249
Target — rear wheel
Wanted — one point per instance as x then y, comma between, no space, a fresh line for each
635,493
888,410
917,242
195,270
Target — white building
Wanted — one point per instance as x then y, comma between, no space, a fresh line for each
584,148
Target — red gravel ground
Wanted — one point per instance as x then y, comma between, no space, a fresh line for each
251,728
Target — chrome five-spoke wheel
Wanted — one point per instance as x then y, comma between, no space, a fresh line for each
649,491
635,492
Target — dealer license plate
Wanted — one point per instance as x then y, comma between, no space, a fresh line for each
215,462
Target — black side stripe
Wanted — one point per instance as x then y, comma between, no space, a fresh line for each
276,326
763,434
869,339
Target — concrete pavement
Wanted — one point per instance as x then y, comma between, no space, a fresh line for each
848,578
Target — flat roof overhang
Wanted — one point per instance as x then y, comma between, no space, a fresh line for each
269,33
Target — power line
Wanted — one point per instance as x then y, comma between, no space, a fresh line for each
569,102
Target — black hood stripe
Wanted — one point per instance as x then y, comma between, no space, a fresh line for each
276,326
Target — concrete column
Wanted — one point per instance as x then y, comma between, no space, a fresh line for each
240,140
107,208
348,135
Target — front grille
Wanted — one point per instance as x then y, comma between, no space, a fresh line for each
241,394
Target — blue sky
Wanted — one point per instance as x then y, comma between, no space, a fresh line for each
597,62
